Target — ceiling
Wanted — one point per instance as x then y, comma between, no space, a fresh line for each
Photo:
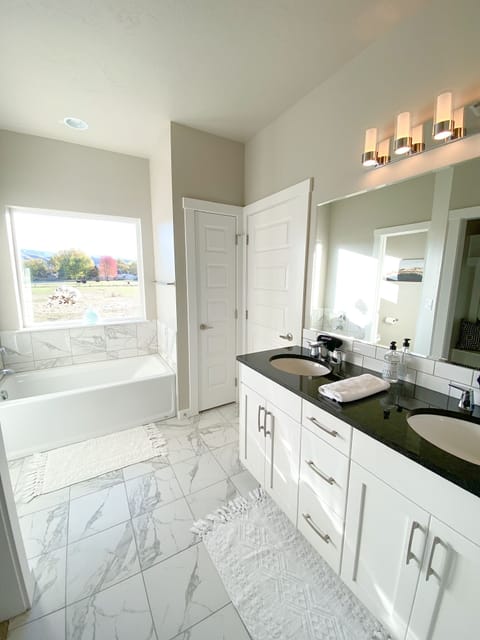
228,67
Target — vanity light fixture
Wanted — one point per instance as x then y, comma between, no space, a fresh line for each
418,143
443,121
384,152
403,135
369,155
459,130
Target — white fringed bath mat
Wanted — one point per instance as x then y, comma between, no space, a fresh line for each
74,463
267,566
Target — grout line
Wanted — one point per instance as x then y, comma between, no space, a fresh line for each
203,619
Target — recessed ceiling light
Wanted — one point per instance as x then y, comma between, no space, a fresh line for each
75,123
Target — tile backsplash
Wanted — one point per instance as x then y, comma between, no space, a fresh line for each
431,374
28,350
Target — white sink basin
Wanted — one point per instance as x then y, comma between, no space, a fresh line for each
299,365
452,433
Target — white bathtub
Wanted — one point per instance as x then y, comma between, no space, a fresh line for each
53,407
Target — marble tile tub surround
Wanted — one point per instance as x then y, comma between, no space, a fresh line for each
431,374
114,557
45,348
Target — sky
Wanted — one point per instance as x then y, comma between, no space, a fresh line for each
96,237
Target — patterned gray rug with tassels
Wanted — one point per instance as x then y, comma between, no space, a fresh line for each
281,587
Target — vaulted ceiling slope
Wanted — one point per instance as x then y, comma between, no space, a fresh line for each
125,66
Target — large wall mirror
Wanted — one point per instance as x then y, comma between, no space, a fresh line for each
401,262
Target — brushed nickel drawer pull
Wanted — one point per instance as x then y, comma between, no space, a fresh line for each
332,433
430,571
259,426
410,554
308,519
316,470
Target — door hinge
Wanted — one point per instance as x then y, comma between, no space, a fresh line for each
236,314
246,315
248,238
236,382
236,238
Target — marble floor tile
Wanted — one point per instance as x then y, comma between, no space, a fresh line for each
96,484
230,411
120,612
225,624
101,561
44,501
228,458
96,512
163,532
212,498
44,531
218,435
48,572
152,490
209,417
244,482
51,627
198,473
182,442
183,590
142,468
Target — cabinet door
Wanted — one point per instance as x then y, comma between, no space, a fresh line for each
446,605
282,460
251,432
384,545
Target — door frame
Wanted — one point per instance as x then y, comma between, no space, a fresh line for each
301,189
191,206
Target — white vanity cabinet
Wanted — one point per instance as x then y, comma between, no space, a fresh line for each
270,437
417,574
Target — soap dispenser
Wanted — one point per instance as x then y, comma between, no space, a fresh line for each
403,367
391,362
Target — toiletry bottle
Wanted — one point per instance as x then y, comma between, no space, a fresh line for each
390,366
403,366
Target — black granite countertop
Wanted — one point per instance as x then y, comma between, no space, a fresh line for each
382,416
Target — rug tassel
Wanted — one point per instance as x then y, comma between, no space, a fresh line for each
227,513
157,439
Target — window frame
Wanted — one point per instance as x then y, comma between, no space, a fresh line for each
17,268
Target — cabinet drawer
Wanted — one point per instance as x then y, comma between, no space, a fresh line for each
286,401
320,526
334,431
325,471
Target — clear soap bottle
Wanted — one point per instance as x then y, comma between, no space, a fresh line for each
403,367
391,364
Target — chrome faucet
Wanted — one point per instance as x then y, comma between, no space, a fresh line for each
5,372
314,349
466,400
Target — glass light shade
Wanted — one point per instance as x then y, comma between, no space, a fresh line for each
403,135
369,155
443,121
418,143
384,151
459,123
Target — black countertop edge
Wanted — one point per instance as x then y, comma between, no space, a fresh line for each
382,416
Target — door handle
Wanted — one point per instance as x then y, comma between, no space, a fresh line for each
430,570
259,413
204,326
410,554
288,336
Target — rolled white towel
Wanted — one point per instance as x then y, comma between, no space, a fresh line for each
354,388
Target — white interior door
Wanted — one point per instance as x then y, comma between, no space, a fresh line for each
216,299
276,257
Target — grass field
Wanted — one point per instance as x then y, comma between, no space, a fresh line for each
115,299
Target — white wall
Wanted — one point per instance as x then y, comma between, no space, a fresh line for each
322,134
205,167
42,173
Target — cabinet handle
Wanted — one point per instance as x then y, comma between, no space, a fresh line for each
410,554
361,514
246,414
430,570
259,426
271,433
316,470
308,519
332,433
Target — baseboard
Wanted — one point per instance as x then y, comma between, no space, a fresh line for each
182,414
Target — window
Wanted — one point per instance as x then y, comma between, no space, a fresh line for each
77,268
